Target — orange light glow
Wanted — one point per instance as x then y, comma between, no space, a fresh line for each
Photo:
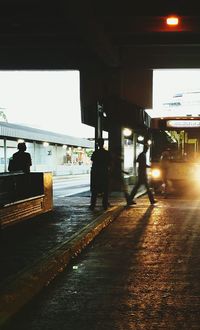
172,20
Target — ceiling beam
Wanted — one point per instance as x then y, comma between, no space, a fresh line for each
92,31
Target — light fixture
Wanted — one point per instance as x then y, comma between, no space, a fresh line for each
20,141
45,144
172,20
127,132
140,138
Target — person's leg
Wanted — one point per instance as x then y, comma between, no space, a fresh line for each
133,192
149,192
93,199
165,179
105,199
125,190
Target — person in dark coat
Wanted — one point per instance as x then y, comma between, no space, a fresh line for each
21,160
100,174
142,178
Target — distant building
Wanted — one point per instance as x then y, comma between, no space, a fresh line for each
187,99
59,153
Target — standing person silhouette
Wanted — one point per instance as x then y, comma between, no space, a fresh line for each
142,178
21,160
100,174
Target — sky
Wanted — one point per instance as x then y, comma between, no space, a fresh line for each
48,100
167,83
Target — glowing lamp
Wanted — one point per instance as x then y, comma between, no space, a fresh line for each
172,20
140,138
127,132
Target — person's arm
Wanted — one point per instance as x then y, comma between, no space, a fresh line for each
125,172
30,160
93,156
10,165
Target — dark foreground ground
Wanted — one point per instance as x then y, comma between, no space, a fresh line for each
141,272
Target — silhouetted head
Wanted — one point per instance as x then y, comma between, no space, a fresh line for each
100,142
21,146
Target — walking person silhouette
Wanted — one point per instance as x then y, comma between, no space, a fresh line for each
142,178
100,174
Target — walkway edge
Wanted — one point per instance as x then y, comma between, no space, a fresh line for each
29,282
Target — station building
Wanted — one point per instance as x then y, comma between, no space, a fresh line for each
58,153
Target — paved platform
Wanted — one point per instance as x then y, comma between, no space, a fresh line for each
33,252
142,272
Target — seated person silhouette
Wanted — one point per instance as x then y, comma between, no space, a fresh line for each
21,160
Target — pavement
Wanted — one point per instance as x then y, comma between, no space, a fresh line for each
35,251
141,273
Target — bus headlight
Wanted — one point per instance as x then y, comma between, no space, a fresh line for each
155,173
196,173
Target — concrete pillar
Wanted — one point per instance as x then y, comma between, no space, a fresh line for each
34,155
134,153
116,149
72,160
5,154
98,125
56,159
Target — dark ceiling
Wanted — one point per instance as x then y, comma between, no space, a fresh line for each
77,33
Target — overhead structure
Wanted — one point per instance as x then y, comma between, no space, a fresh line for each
114,45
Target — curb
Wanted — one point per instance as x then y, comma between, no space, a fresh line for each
30,282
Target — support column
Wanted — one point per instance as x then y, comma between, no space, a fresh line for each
134,152
34,156
56,160
5,154
116,149
98,126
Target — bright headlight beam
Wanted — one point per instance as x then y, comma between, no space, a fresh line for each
155,173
